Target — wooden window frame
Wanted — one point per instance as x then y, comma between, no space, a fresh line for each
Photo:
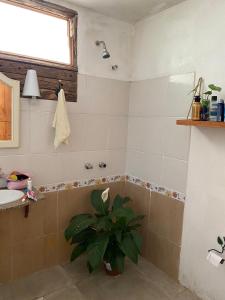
15,66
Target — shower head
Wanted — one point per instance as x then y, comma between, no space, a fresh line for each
105,52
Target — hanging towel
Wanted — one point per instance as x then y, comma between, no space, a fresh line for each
61,121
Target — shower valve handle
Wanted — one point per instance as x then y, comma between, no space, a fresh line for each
102,165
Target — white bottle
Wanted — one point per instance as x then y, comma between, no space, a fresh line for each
29,184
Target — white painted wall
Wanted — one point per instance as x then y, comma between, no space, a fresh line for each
178,40
98,119
187,38
118,36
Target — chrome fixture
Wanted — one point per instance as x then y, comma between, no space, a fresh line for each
115,67
102,165
88,166
105,52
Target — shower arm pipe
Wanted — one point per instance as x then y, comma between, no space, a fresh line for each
98,43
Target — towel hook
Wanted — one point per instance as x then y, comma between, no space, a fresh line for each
59,87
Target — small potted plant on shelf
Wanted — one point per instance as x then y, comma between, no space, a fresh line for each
108,235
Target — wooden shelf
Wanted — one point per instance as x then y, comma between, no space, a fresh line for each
210,124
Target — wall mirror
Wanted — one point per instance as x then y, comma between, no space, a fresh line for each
9,112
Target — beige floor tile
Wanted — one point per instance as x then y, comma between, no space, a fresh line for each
67,293
72,281
5,292
187,295
130,286
77,270
36,285
170,287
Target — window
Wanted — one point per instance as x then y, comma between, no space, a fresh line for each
46,37
40,35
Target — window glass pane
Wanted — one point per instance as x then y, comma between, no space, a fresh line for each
34,34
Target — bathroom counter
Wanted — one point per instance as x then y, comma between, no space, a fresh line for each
21,202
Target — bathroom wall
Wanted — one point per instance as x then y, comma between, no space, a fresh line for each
99,132
38,241
189,38
118,36
157,150
161,228
98,119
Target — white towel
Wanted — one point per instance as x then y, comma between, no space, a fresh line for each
61,121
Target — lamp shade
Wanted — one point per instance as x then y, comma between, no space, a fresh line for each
31,86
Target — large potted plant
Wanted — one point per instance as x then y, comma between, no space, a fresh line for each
108,235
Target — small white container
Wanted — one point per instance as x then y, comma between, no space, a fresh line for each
29,184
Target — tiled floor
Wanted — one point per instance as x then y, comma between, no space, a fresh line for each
72,281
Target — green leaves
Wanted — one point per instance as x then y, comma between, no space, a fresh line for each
96,251
78,250
129,248
86,234
104,223
213,87
208,93
96,200
123,212
136,219
119,202
137,239
108,235
78,224
220,241
120,262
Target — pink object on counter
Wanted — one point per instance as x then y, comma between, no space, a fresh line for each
18,184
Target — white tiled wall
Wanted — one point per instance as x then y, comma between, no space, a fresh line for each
147,140
99,132
157,149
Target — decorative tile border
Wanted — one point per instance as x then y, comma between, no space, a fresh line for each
80,183
117,178
156,188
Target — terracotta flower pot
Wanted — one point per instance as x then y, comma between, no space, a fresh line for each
109,271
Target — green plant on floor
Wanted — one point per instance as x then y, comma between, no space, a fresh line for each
108,235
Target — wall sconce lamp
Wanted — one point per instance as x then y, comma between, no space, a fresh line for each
31,86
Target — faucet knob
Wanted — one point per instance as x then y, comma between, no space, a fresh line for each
102,165
88,166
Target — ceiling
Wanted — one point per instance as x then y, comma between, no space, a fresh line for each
127,10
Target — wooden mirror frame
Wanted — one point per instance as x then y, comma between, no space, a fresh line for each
15,85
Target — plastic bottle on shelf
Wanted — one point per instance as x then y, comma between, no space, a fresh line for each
213,109
196,109
220,110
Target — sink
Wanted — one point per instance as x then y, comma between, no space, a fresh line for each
8,196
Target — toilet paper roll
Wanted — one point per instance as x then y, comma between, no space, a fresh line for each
215,258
